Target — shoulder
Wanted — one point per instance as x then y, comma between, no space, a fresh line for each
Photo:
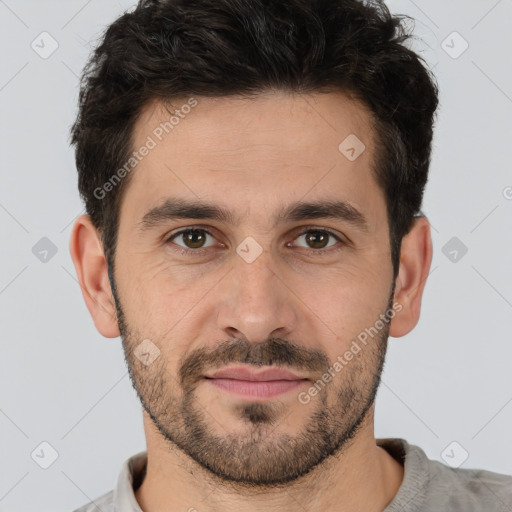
432,485
105,503
473,488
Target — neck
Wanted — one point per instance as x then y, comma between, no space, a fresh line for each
363,477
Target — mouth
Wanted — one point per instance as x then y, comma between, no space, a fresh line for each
263,384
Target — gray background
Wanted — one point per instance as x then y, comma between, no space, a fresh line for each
62,383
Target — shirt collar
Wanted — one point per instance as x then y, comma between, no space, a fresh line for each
130,478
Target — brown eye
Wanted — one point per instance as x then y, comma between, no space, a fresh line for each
191,238
318,239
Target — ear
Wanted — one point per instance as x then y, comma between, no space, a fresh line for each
88,257
415,260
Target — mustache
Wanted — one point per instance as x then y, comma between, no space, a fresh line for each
271,352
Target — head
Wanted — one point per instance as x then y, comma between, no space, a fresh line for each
253,173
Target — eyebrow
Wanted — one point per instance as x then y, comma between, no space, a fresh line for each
179,208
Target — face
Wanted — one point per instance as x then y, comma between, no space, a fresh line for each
249,240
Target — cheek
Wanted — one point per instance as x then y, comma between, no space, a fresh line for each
162,301
346,302
149,280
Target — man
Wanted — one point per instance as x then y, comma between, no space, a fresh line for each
253,173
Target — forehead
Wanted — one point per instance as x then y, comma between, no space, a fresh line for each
234,122
246,152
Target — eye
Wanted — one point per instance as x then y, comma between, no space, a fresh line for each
193,238
317,239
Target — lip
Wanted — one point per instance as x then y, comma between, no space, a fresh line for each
255,385
246,374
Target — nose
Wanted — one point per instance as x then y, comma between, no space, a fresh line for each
256,302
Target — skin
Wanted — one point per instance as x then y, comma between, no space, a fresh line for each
209,449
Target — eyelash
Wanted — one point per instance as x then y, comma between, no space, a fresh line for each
308,229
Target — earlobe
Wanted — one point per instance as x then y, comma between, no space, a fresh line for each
91,267
415,260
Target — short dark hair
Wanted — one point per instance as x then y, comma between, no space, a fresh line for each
165,49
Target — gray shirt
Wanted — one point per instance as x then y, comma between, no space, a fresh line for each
428,485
